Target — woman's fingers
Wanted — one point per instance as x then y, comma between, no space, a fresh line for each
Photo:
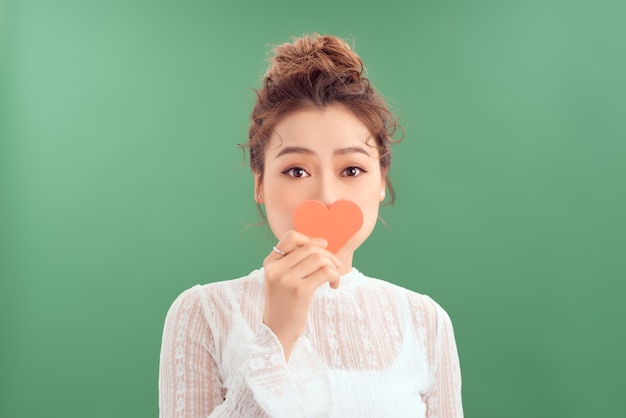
296,247
308,263
321,276
313,251
287,244
291,241
300,264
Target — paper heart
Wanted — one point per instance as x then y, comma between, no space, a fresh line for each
336,223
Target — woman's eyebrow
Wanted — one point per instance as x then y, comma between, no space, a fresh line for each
349,150
308,151
295,150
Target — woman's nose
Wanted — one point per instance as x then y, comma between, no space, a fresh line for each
327,191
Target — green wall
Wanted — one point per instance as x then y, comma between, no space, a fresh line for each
121,185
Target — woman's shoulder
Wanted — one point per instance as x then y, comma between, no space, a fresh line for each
416,301
250,280
220,293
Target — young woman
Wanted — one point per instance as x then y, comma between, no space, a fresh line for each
308,335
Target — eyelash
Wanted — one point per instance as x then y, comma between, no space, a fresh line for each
290,170
360,171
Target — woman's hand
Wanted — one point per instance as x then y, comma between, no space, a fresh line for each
291,280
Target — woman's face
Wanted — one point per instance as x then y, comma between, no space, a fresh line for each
323,154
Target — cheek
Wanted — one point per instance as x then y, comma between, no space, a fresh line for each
369,205
370,215
281,199
279,207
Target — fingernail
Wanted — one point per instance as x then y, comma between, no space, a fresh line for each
321,242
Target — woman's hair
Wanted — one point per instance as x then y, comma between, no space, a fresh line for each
317,71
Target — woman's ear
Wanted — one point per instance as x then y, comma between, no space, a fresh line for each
383,186
258,188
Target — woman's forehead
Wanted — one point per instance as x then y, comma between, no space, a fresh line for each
331,128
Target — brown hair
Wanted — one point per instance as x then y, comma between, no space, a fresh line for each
317,71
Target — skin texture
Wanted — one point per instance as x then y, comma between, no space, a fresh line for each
324,154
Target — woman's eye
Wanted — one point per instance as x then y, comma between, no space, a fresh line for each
352,171
296,172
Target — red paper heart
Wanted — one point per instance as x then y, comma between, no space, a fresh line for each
336,223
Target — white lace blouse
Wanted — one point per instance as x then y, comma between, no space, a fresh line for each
369,349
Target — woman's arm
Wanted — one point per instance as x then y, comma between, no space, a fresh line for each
260,385
444,398
189,382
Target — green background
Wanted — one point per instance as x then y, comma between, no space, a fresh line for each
121,186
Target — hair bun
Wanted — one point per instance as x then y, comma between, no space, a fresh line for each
315,54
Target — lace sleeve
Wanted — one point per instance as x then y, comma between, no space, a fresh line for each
444,398
432,326
189,385
299,389
260,385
